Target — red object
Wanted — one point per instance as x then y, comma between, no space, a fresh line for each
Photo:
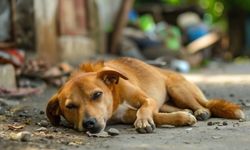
13,56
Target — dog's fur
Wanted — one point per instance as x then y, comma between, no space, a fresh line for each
129,91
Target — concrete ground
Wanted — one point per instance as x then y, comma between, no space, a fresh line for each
228,81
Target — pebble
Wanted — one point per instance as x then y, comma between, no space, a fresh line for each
216,137
210,123
242,120
224,123
217,128
41,112
23,136
44,123
102,134
41,129
113,132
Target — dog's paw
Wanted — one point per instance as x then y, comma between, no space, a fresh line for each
144,125
185,118
191,119
202,114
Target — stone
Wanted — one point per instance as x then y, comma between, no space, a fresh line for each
23,136
113,132
210,123
44,123
41,129
7,76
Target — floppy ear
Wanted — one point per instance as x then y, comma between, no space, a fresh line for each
110,76
53,110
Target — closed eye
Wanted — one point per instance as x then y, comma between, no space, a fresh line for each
96,95
71,106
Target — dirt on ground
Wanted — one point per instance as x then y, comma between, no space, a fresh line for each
24,126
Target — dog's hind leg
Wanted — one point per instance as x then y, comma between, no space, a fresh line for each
167,108
185,95
179,118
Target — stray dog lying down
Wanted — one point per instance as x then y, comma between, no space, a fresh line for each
129,91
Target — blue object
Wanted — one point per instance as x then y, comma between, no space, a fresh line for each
180,65
197,31
132,16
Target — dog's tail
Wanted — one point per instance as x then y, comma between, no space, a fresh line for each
224,109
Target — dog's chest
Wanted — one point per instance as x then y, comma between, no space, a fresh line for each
121,110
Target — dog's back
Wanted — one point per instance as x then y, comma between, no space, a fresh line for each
146,77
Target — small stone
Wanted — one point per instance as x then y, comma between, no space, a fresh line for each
216,137
242,120
41,129
23,136
217,128
44,123
189,129
224,123
75,143
247,104
102,134
113,132
210,123
236,124
41,112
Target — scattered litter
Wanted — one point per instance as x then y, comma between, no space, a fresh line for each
39,69
224,123
13,56
20,92
15,126
236,124
43,123
102,134
113,132
189,129
210,123
242,120
217,128
23,136
216,137
75,143
41,129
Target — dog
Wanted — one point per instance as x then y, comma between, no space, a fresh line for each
129,91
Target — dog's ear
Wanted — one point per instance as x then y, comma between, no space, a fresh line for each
110,76
53,111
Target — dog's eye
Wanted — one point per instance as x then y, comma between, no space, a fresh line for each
71,106
96,95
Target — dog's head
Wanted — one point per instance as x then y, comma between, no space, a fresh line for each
85,101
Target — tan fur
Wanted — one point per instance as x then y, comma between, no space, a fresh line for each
133,92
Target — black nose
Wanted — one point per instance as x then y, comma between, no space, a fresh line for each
89,123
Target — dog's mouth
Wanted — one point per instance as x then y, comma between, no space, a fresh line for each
93,126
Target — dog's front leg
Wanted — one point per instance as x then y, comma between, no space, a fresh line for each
144,117
145,106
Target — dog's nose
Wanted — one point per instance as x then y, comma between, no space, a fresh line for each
89,123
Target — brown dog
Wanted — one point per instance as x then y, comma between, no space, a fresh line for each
129,91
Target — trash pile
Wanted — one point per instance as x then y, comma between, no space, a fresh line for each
21,78
178,46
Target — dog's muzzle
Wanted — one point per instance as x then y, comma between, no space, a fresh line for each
91,125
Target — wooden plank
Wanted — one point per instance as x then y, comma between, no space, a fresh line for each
94,27
120,23
72,17
46,35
